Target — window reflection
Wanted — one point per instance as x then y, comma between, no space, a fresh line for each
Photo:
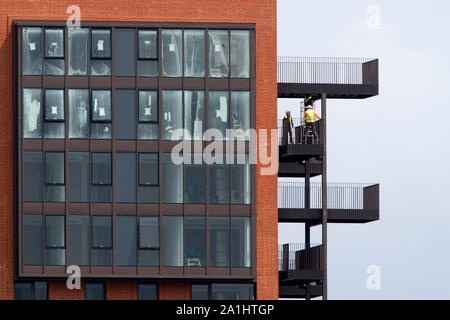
171,53
172,112
240,115
194,114
54,114
194,53
31,51
32,117
148,115
218,111
101,114
78,51
101,52
54,52
240,53
218,53
78,113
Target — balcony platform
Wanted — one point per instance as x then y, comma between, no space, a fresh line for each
297,170
339,78
299,292
299,152
347,203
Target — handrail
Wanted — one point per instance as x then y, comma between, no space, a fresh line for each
327,70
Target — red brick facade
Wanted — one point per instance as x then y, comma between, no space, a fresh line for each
260,12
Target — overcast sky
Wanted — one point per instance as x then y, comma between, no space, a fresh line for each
400,139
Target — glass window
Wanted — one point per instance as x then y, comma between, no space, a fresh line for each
149,241
194,189
232,291
147,292
33,240
54,177
79,176
240,53
171,53
219,183
241,248
172,180
94,291
101,114
54,114
125,177
79,113
148,53
54,51
55,241
199,292
194,114
148,128
101,52
125,114
125,52
101,177
54,43
240,180
101,43
195,250
78,51
79,251
172,111
32,116
173,241
148,190
219,241
218,53
240,115
32,176
218,111
194,53
101,241
40,290
31,51
23,291
126,239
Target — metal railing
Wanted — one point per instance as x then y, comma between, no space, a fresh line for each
299,256
339,196
327,70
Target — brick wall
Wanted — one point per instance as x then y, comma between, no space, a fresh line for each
57,290
174,291
260,12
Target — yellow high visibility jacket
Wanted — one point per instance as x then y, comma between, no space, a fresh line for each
290,120
310,116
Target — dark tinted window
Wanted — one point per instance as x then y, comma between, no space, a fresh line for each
173,241
101,241
125,177
241,246
23,291
94,291
148,241
54,177
125,114
232,291
40,291
194,189
148,190
173,180
79,176
219,183
79,251
125,52
55,240
33,240
101,177
199,292
148,292
195,247
126,239
219,241
32,176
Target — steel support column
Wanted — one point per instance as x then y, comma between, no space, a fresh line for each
324,194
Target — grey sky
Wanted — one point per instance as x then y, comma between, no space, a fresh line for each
400,139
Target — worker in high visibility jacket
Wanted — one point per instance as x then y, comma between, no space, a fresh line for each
290,124
310,119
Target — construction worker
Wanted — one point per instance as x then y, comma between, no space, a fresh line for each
310,119
290,125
